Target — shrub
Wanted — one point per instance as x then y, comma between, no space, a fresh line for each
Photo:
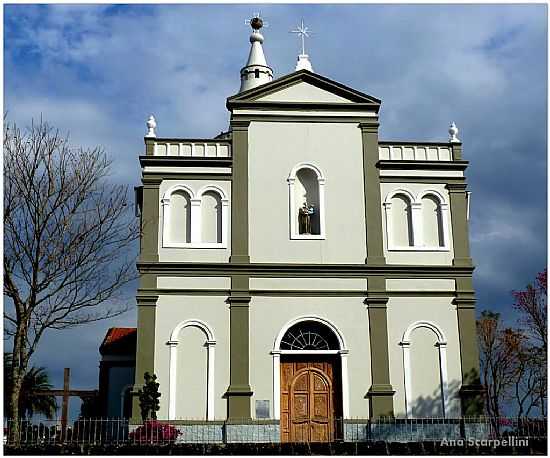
154,432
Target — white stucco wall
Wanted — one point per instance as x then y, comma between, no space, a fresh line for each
336,149
268,315
172,310
303,92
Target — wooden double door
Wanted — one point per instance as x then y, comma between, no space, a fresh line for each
310,398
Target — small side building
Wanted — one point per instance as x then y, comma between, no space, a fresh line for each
117,372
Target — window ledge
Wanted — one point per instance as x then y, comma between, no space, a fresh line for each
419,248
308,237
197,245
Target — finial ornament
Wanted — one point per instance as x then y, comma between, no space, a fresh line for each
453,132
256,71
151,126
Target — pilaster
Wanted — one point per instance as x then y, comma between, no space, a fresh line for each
459,223
471,391
381,392
145,346
238,393
371,188
150,221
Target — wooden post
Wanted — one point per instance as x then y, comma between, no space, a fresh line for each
65,405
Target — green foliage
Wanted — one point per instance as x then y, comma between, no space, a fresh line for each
35,379
149,397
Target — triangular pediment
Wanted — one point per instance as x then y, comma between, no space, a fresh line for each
302,87
303,92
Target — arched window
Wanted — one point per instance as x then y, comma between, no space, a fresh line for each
306,202
433,221
179,216
309,335
195,222
399,220
180,223
211,217
425,370
214,211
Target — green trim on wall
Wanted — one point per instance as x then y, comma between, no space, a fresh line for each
267,117
238,393
471,392
422,165
270,270
459,223
160,176
381,392
371,188
145,347
150,222
423,179
184,161
292,293
457,151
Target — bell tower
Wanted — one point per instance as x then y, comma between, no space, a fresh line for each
256,71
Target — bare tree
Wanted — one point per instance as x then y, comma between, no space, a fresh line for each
531,304
68,241
497,361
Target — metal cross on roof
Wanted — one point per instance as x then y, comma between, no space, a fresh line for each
303,32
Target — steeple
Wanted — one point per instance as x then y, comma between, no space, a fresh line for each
256,71
303,59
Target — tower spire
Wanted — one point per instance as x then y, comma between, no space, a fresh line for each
303,59
256,71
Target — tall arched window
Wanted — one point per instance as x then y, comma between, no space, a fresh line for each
433,221
195,222
399,220
211,217
214,210
306,202
179,216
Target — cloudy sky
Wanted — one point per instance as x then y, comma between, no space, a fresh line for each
99,71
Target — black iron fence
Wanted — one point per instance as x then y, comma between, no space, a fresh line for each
106,431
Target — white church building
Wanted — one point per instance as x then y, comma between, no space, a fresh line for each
298,270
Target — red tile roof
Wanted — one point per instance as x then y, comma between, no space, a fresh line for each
119,341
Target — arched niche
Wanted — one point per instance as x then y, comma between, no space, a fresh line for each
425,370
307,186
202,341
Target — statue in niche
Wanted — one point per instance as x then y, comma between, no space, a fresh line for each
304,218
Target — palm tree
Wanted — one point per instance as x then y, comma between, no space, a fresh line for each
36,379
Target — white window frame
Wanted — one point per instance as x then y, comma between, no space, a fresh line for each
321,181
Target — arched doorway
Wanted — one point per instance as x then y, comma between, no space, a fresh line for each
311,381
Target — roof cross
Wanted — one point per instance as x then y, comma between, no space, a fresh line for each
304,32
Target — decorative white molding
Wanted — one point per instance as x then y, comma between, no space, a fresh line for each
277,352
407,370
321,181
173,366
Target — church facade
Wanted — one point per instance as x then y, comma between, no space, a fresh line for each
298,269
